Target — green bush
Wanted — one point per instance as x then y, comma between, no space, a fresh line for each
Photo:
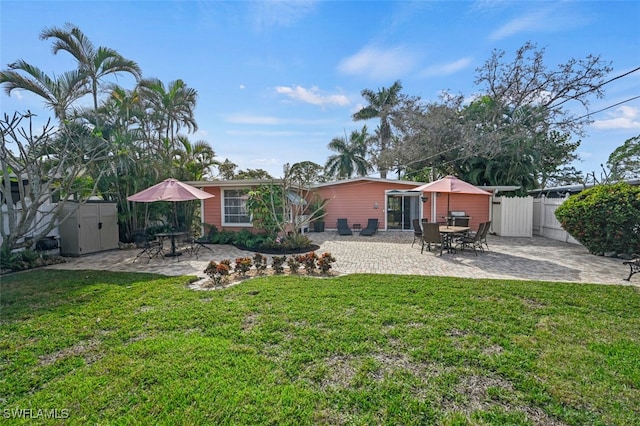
223,237
249,240
605,218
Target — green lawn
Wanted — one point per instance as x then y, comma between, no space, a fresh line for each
124,348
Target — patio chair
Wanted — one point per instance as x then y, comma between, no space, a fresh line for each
150,247
372,228
198,243
417,231
188,244
473,240
343,227
431,235
483,237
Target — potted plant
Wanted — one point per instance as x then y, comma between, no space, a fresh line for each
317,212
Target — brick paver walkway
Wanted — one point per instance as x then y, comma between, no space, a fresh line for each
534,258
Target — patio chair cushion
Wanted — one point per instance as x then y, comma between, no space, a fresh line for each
343,227
372,228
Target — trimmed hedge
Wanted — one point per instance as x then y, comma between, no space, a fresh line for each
605,218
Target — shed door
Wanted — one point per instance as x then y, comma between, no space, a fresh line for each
108,223
89,233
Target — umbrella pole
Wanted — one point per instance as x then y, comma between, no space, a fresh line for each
175,216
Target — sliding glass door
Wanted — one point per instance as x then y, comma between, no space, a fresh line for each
401,209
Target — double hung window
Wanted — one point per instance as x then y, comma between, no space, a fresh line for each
234,207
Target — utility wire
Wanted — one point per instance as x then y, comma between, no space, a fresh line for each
594,88
604,109
548,108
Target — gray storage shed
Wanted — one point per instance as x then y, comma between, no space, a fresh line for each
91,227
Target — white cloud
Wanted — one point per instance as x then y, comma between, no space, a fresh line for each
263,133
273,121
624,117
242,86
252,119
267,14
446,69
379,63
556,17
312,96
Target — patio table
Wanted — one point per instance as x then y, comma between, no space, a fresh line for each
173,236
448,232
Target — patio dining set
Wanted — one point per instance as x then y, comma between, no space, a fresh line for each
452,235
181,242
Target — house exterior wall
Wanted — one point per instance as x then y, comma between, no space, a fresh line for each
356,201
212,214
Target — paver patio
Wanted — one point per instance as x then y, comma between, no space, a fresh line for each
534,258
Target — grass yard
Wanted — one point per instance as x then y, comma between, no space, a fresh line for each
97,347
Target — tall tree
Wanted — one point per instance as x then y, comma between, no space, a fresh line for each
624,161
381,104
193,161
527,82
172,107
42,166
94,63
58,93
518,130
350,158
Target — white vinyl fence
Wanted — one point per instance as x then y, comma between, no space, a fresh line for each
545,223
512,216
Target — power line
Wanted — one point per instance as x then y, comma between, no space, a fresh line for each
593,89
606,108
547,108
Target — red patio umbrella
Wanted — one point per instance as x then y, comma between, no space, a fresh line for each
170,190
451,185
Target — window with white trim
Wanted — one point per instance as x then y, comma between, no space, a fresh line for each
234,207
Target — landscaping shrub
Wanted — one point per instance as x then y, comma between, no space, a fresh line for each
293,264
308,261
248,240
243,265
218,272
277,264
605,218
25,259
295,243
325,262
223,237
260,262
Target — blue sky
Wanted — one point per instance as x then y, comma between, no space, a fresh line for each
278,80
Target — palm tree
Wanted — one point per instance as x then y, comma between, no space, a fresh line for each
172,107
193,161
58,93
94,63
381,105
350,157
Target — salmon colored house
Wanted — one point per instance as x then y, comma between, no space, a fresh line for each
392,202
